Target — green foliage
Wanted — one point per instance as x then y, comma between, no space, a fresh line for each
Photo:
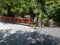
43,18
49,3
7,5
14,6
54,11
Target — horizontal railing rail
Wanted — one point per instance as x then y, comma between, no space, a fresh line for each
16,19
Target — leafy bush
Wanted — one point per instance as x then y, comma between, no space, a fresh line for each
53,11
43,18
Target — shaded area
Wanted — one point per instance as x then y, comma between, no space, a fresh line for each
28,38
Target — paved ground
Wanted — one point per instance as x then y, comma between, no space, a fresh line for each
15,27
51,31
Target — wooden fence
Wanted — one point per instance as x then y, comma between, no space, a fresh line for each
15,19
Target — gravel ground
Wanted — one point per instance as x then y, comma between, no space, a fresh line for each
55,31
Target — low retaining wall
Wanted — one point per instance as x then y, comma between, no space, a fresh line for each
15,19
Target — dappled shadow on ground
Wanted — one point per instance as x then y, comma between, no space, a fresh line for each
28,38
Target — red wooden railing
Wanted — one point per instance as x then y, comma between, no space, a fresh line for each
15,19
